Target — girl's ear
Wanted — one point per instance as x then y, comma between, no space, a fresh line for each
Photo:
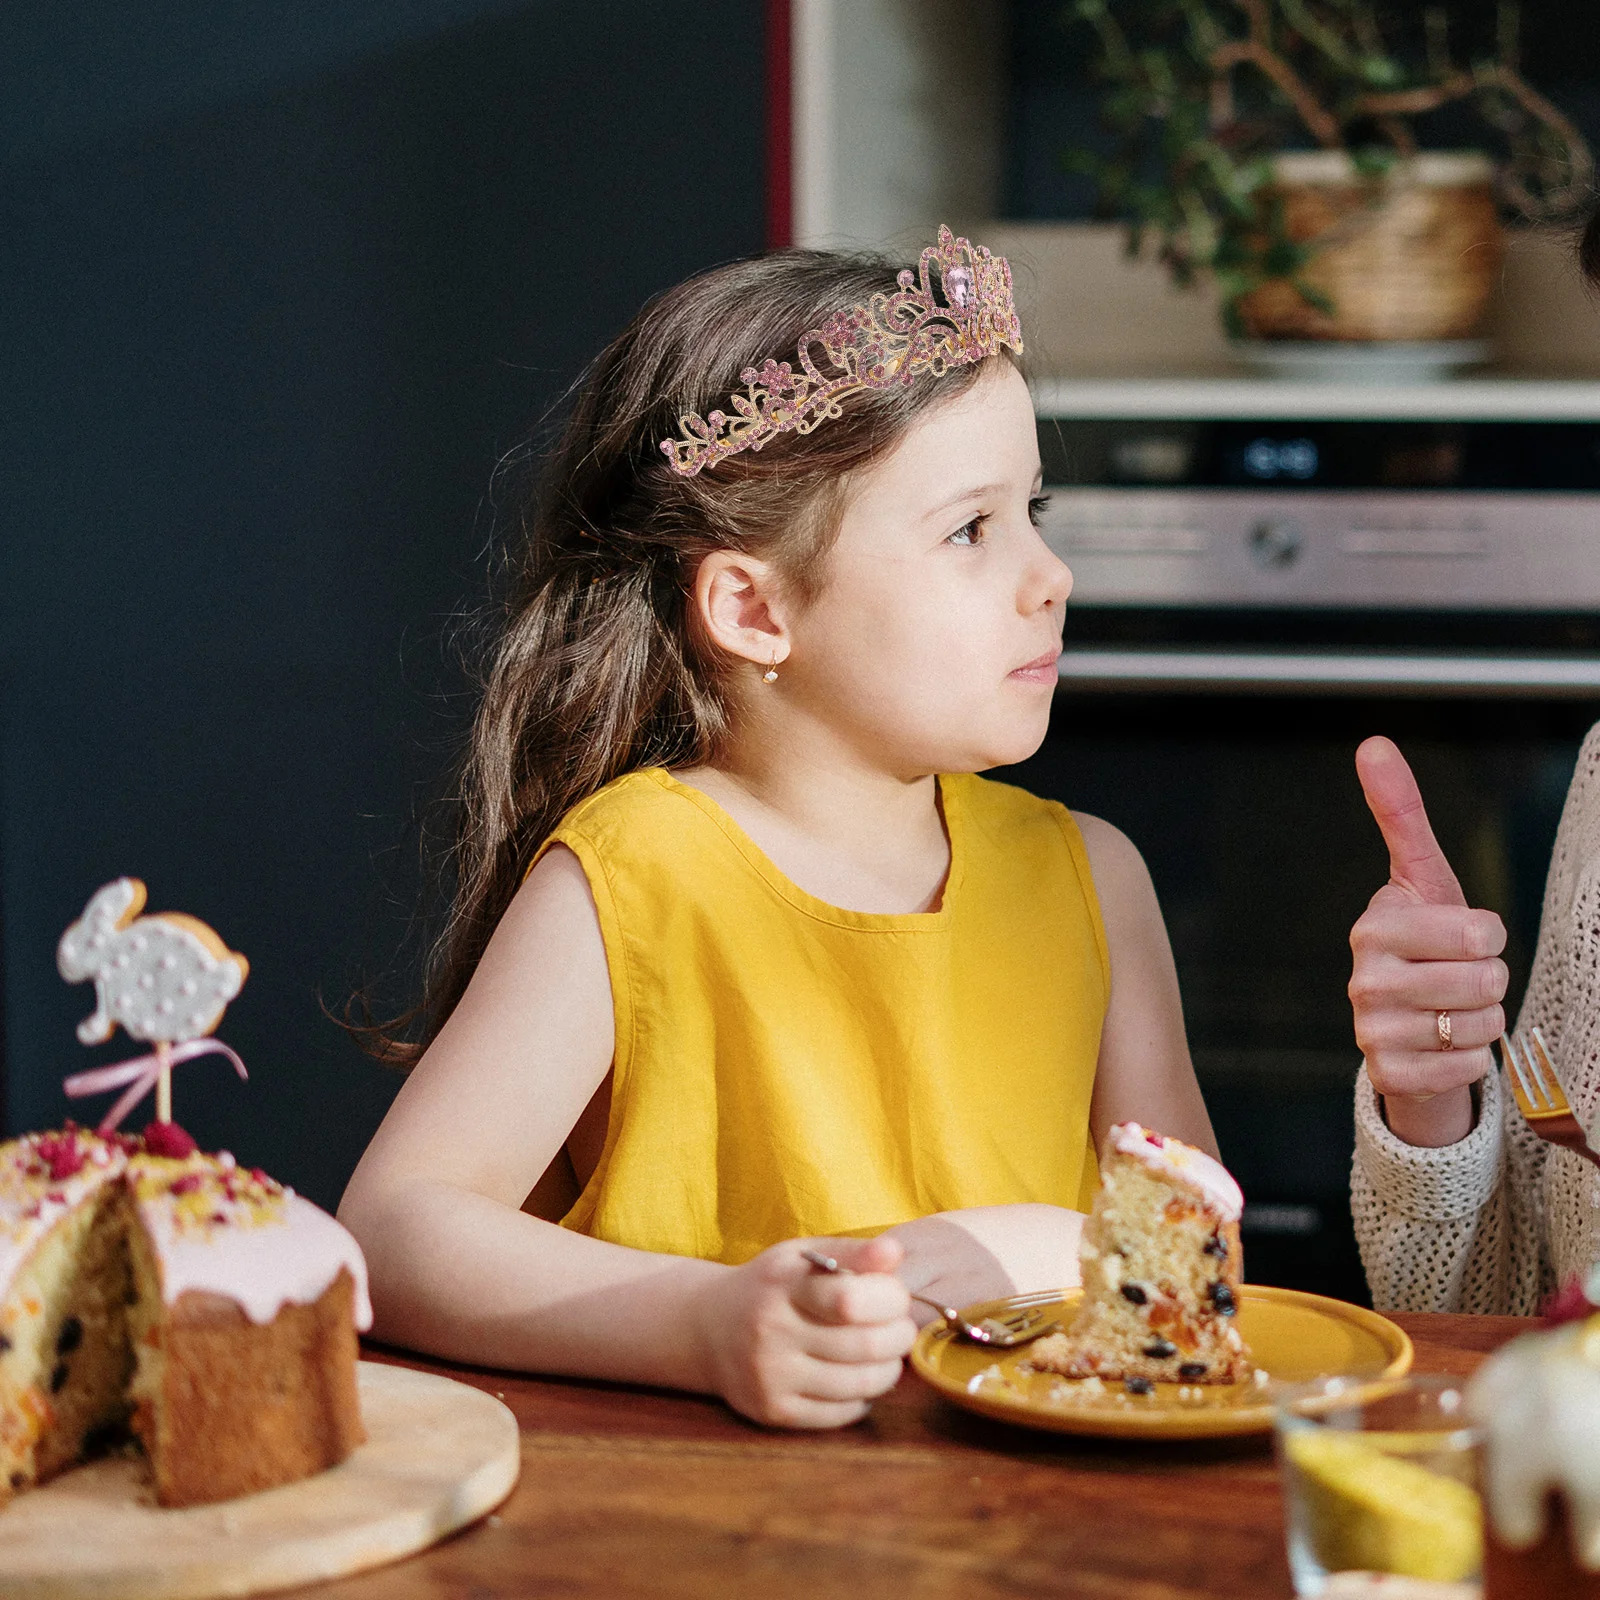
739,603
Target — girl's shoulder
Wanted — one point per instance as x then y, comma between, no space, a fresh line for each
624,804
1037,837
1003,809
649,821
643,830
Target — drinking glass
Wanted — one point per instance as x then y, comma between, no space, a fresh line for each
1379,1476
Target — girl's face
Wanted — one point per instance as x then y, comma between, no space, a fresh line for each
933,645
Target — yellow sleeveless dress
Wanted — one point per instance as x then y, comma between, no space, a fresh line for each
787,1068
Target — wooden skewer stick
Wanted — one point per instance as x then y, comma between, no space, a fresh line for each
164,1082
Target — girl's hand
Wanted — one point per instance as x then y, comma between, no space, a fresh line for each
1419,949
796,1348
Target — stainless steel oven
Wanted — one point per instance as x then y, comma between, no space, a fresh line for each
1264,575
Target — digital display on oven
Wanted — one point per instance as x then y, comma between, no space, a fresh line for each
1321,455
1267,459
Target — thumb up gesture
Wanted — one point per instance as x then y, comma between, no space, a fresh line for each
1427,980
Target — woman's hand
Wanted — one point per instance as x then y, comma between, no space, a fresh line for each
793,1347
1420,950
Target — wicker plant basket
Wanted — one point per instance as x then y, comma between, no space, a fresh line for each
1409,256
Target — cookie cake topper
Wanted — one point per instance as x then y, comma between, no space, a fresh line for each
167,978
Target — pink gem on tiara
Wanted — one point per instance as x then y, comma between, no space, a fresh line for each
890,339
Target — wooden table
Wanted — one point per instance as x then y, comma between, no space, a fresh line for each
629,1493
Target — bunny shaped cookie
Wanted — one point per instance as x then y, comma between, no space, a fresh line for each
165,977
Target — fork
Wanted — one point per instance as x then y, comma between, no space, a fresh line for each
1540,1098
1002,1332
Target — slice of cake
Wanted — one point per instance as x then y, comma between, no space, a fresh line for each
143,1282
243,1325
1161,1270
64,1355
1537,1401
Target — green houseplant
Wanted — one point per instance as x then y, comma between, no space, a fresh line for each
1274,144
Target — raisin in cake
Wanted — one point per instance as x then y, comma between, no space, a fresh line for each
142,1281
1161,1270
1537,1401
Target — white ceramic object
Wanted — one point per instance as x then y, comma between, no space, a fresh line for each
1431,169
1392,362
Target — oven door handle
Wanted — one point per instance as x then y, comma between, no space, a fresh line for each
1212,671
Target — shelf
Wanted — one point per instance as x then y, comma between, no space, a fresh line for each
1197,399
898,124
1267,672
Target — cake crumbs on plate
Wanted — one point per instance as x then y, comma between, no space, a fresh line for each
1078,1391
993,1373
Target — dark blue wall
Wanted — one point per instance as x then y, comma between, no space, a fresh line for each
279,285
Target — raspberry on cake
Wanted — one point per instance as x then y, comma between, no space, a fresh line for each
143,1281
1162,1269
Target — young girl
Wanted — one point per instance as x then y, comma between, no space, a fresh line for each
742,955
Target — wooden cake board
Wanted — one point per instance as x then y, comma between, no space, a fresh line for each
438,1455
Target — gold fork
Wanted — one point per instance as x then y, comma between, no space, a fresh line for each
1540,1098
1020,1327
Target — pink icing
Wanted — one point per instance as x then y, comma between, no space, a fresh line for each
237,1233
1182,1161
215,1226
43,1176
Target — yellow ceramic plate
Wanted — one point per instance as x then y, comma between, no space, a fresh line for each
1292,1337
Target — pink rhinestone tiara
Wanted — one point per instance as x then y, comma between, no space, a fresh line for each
890,339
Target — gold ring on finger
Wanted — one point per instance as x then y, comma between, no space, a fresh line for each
1443,1024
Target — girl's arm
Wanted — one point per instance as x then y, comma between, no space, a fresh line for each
987,1252
458,1269
1145,1074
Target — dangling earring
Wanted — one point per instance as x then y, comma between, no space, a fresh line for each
771,674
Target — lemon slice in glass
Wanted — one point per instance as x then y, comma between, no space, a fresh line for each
1371,1510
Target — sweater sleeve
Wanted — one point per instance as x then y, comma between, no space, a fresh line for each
1461,1228
1431,1222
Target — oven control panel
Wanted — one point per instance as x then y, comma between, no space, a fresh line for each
1465,512
1346,549
1447,544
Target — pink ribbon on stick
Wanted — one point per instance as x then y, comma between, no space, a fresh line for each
141,1074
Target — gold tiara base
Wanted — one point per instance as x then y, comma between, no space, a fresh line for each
892,339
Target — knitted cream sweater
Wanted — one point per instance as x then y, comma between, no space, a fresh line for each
1496,1221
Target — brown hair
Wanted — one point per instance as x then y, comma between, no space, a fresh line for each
597,668
1589,248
